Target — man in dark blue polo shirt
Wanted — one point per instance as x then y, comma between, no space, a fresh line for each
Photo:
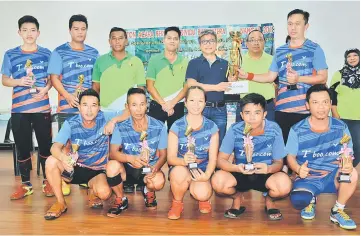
209,72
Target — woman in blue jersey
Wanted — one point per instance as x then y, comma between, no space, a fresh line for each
265,141
198,145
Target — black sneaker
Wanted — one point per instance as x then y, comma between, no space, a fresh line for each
119,205
150,200
128,188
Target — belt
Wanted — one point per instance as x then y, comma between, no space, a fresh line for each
215,104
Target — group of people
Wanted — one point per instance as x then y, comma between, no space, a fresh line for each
108,136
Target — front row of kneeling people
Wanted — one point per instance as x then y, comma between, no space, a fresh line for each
138,146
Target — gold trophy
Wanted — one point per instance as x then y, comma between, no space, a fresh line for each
145,152
345,159
79,87
68,176
191,145
248,146
235,56
288,68
30,74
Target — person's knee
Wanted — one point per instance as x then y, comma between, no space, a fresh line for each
103,192
157,182
202,193
180,175
51,163
218,182
300,198
354,176
279,186
113,168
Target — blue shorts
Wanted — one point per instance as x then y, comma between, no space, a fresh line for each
319,185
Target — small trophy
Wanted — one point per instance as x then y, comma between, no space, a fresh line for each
145,152
191,145
30,74
248,146
79,87
68,176
345,159
288,68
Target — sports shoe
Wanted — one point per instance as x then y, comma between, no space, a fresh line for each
119,205
175,210
342,219
25,189
309,212
205,207
47,189
150,200
65,188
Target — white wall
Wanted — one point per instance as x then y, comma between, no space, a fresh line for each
334,25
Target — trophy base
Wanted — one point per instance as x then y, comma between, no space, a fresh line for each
292,87
146,170
68,176
249,166
33,91
192,166
344,178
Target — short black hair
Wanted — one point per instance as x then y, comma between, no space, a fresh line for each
78,17
173,28
132,91
317,88
255,30
89,92
28,19
117,29
288,38
192,88
253,98
305,14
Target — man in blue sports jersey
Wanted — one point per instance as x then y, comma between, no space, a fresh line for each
268,151
71,67
24,69
131,159
313,149
86,130
299,64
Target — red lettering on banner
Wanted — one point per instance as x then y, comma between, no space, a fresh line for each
248,29
131,34
145,34
159,33
216,30
188,32
268,29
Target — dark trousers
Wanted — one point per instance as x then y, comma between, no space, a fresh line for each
155,111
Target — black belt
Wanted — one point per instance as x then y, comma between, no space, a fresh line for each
215,104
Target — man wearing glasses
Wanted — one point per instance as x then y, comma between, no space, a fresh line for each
209,72
258,62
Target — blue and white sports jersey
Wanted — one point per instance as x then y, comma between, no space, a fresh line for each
71,64
202,139
129,139
321,150
268,146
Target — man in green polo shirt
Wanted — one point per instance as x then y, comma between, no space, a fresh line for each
258,62
116,72
166,80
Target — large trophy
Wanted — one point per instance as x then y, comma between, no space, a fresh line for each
235,61
145,152
345,159
191,145
288,68
248,146
79,87
30,74
68,176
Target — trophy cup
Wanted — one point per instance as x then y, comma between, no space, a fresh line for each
191,145
30,74
79,87
145,152
68,176
248,147
345,158
235,62
288,68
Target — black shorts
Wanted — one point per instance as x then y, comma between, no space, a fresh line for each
248,182
134,176
83,175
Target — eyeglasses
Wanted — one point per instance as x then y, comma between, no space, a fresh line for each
210,41
256,41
